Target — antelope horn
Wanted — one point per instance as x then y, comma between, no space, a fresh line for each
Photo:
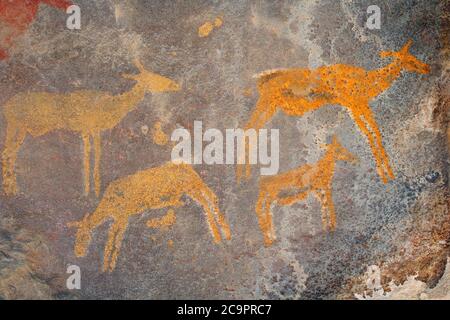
406,47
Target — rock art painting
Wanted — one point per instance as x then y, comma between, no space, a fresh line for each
154,188
314,178
85,112
314,158
297,91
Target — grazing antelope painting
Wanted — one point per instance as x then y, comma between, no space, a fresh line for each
297,91
295,185
154,188
17,15
85,112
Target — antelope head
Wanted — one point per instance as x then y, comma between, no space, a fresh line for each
407,60
341,153
83,236
152,82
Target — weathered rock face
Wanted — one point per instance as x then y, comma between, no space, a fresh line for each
138,70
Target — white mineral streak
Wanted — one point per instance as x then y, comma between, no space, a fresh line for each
411,289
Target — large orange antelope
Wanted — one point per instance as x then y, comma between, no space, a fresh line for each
86,112
293,186
297,91
154,188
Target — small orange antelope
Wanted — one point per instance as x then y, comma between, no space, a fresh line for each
297,91
293,186
154,188
86,112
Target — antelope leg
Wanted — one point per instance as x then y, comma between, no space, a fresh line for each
86,162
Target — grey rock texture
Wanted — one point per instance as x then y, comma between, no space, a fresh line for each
403,227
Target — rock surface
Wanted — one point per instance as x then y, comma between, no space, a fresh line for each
402,227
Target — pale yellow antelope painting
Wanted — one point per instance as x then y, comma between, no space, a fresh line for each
298,91
85,112
297,184
154,188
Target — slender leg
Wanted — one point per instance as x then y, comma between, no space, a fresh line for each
219,216
198,196
264,225
109,246
86,163
328,214
373,125
362,125
14,139
263,112
117,243
97,155
330,205
269,220
290,200
259,211
323,203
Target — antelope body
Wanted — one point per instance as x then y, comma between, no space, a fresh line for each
154,188
86,112
297,91
298,183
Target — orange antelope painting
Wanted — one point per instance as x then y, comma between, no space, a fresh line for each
297,91
316,178
86,112
154,188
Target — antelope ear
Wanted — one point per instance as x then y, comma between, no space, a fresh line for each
406,47
74,224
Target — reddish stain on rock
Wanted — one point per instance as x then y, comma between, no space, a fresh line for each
16,17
